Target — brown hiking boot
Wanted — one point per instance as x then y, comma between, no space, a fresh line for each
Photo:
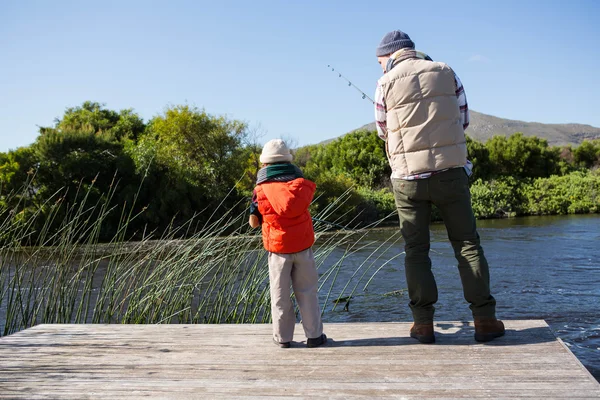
487,329
423,333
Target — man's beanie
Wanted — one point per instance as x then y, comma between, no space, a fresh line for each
275,151
392,42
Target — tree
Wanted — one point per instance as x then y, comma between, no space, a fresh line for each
16,168
193,161
587,154
83,157
67,158
17,171
94,118
479,155
250,157
200,148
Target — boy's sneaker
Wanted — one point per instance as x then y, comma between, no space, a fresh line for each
283,345
316,342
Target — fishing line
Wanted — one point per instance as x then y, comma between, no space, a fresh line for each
364,95
329,223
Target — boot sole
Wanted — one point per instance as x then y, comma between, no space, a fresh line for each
283,345
423,339
486,337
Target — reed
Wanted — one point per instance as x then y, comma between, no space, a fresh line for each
217,274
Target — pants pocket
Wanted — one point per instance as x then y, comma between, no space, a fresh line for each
454,187
403,189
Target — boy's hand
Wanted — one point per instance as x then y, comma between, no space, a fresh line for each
254,221
255,217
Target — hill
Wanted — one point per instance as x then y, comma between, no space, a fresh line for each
483,127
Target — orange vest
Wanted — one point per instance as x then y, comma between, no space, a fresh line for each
287,225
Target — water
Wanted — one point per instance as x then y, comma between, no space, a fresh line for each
541,268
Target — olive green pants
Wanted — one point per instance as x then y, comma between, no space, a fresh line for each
449,191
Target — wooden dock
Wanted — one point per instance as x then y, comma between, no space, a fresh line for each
364,360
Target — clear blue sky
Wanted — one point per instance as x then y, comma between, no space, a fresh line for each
265,62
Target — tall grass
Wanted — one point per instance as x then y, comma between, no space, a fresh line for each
218,274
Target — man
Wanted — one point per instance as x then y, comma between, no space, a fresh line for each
421,113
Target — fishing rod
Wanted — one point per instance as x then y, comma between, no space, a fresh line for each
364,95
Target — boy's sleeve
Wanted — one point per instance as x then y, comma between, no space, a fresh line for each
254,207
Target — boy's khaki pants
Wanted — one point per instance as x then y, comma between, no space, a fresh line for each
298,269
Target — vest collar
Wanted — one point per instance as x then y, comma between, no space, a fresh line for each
405,54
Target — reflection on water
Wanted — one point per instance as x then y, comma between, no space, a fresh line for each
541,268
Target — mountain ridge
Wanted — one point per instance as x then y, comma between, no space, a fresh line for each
483,127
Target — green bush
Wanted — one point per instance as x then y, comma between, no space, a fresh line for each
377,204
336,198
359,156
576,193
501,197
341,201
522,156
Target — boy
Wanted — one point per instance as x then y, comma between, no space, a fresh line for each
280,203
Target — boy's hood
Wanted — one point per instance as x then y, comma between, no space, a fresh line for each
290,199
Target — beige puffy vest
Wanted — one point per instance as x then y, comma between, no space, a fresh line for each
424,128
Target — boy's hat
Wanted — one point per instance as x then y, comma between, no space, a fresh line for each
275,151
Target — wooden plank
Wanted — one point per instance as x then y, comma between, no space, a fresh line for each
363,360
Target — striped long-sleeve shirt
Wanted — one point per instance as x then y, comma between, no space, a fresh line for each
381,122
